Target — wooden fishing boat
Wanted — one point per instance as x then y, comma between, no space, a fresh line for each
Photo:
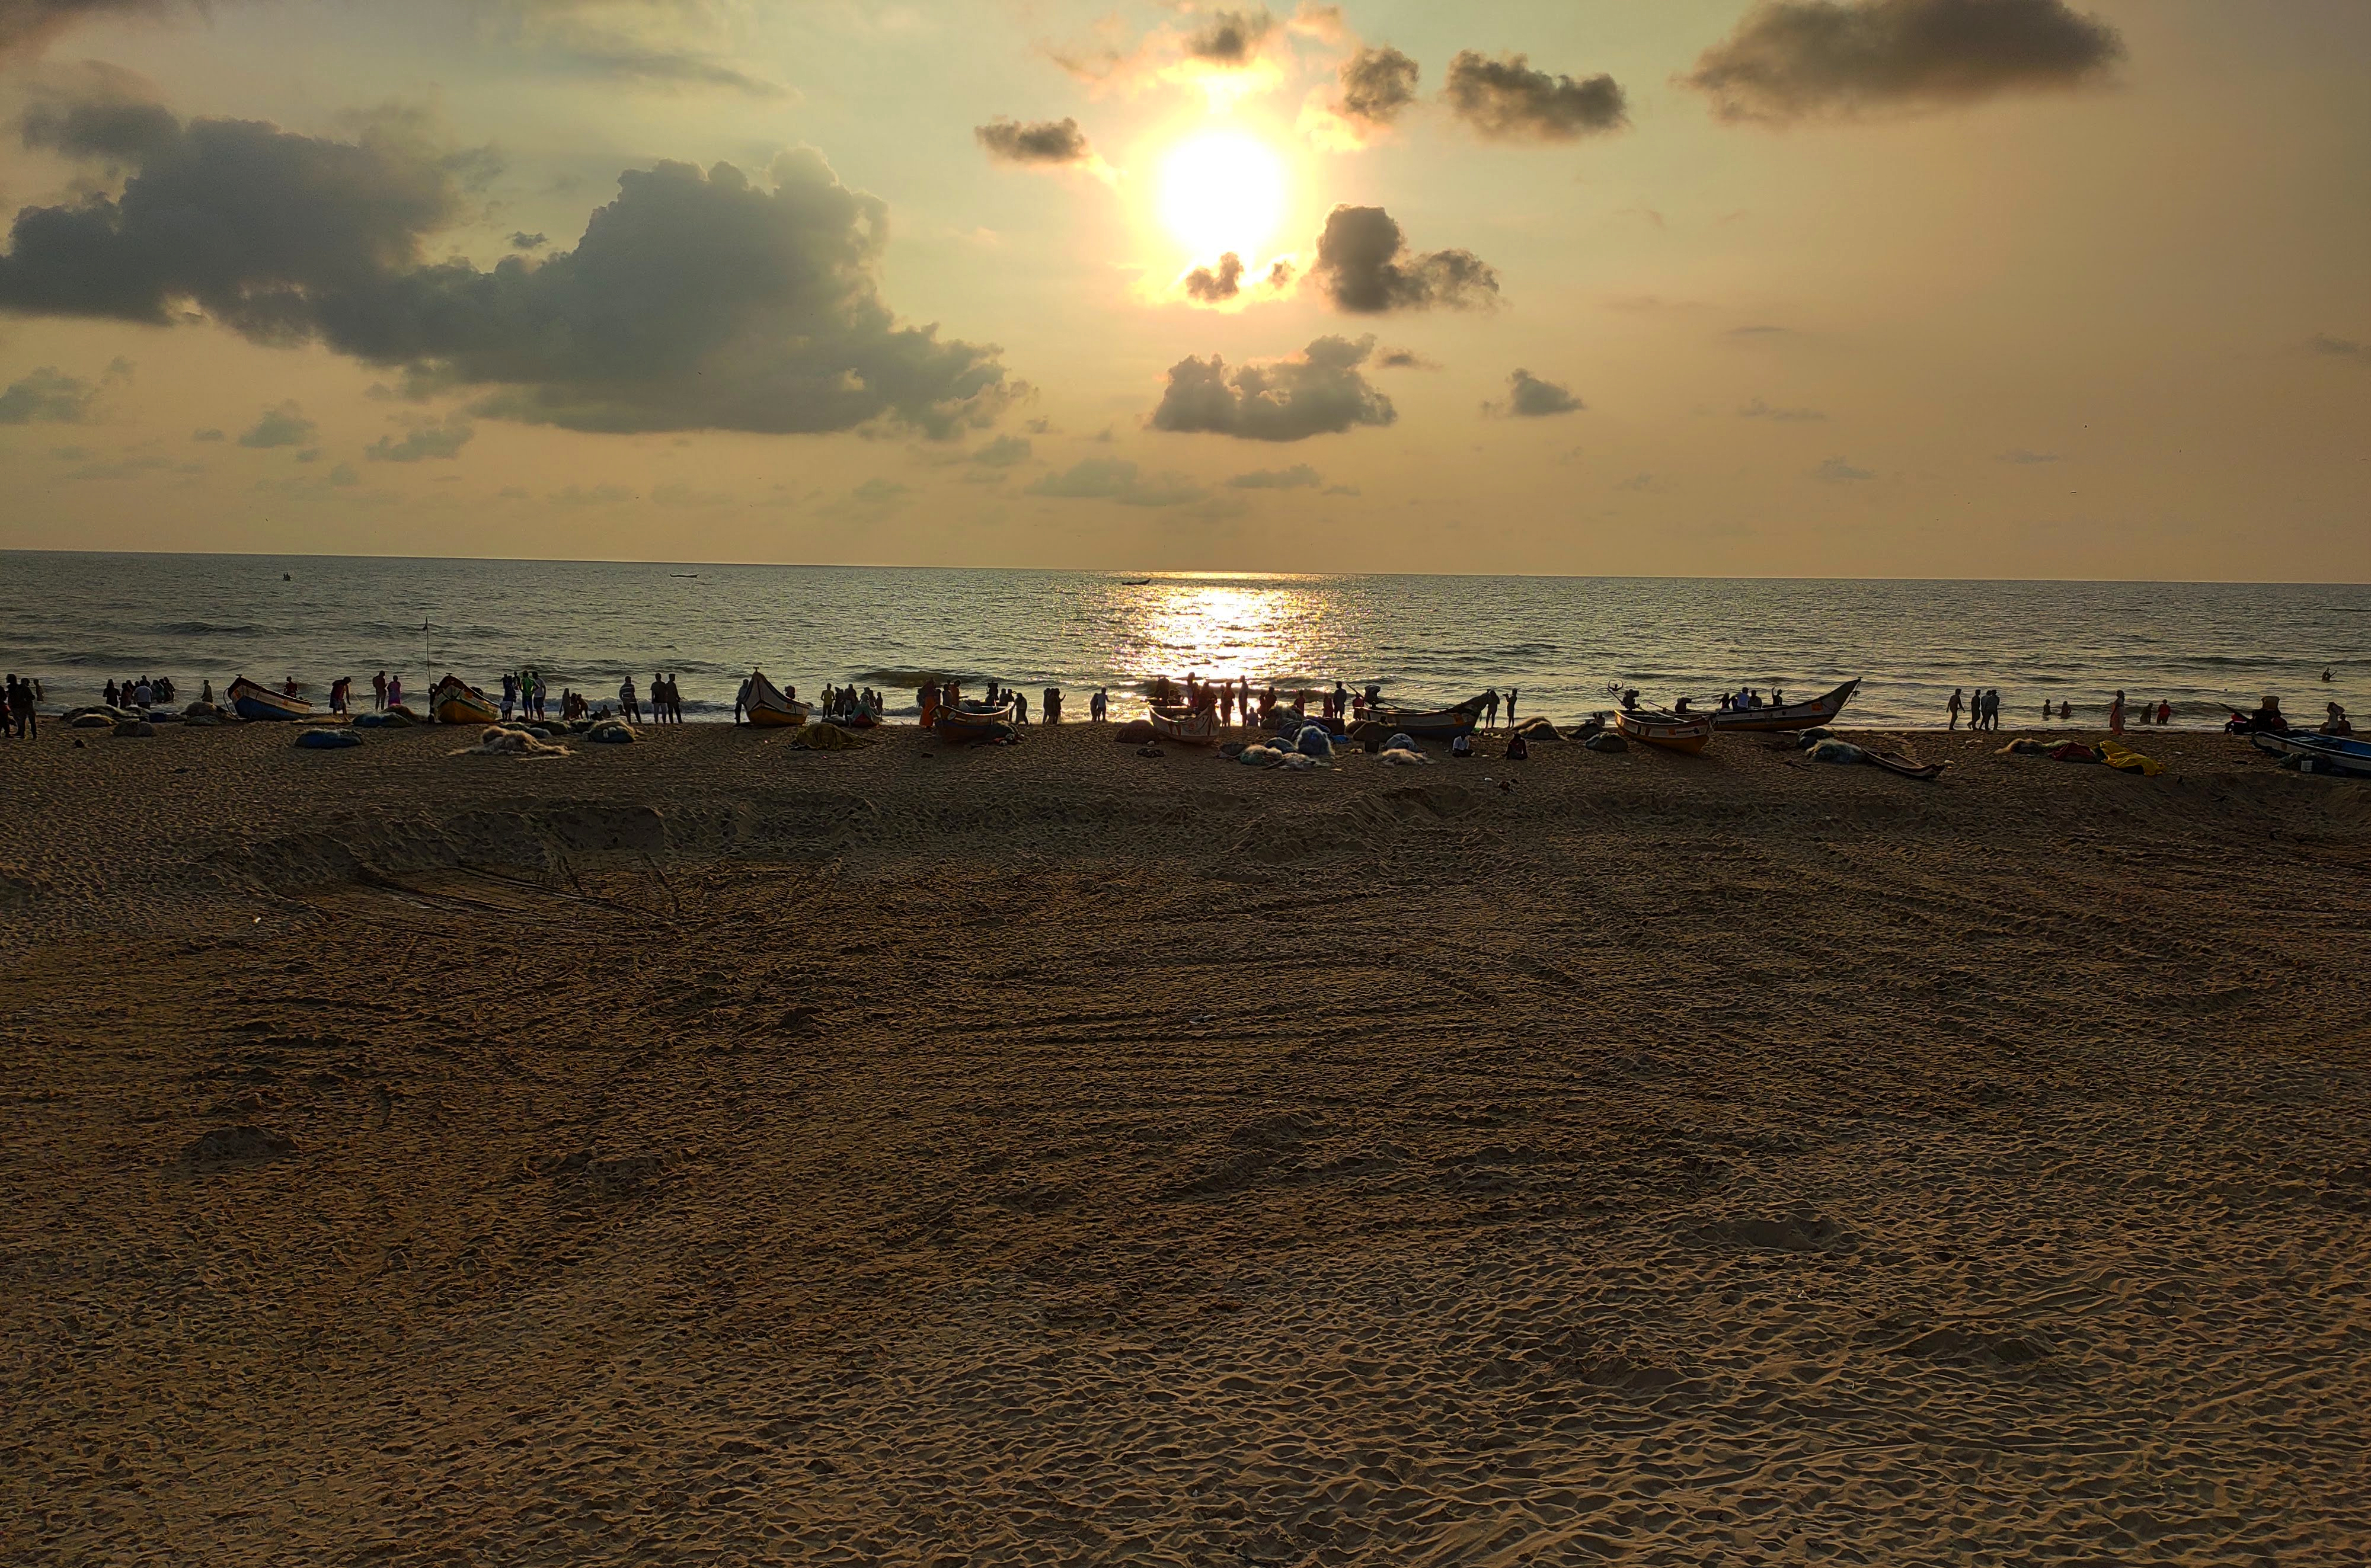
1673,731
768,708
2324,753
1426,725
455,701
1786,715
974,722
1186,726
253,701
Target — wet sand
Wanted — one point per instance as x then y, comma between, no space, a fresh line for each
700,1150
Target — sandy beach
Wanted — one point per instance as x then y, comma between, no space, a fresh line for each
702,1150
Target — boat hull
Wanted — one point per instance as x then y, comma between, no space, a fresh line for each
1186,727
1667,731
973,724
455,701
2331,754
767,709
252,701
1438,724
1787,716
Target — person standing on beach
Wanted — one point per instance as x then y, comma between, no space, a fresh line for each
1099,706
1512,693
510,693
378,690
1956,705
2116,715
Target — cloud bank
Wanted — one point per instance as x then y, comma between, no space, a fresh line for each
1318,392
1113,478
695,300
1034,142
1792,59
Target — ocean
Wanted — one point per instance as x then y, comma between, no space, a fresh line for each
75,620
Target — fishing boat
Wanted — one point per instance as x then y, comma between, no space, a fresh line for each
1673,731
253,701
455,701
1426,725
1186,726
2321,754
1786,715
768,708
974,721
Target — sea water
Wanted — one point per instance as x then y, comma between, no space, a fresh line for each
1569,644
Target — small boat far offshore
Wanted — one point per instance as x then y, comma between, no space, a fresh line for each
252,701
1673,731
1786,715
455,701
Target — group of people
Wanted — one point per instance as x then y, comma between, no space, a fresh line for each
1983,708
2118,714
2269,720
17,700
665,704
1746,699
146,692
844,704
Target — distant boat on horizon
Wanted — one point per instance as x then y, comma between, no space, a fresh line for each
1135,581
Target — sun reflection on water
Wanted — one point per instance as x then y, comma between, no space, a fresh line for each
1223,628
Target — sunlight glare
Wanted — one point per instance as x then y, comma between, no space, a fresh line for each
1222,190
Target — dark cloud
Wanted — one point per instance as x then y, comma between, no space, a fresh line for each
522,240
48,396
1212,287
284,426
1301,476
1529,398
695,300
1113,478
1377,84
1365,266
1507,100
1836,471
1758,410
2342,348
1403,359
1279,275
25,26
1318,392
626,60
1341,490
424,439
1037,142
1230,37
208,435
1792,59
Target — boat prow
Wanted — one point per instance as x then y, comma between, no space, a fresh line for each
455,701
969,723
768,709
253,701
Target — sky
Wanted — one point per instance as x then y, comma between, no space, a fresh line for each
1856,288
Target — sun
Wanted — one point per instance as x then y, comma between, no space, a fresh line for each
1222,190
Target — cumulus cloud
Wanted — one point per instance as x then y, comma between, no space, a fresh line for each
1365,266
695,300
1301,476
27,25
1836,471
423,439
1035,142
208,435
1758,410
1214,287
1792,59
2342,348
1507,100
1377,84
48,396
1230,38
1529,398
1113,478
284,426
522,240
1320,391
1403,359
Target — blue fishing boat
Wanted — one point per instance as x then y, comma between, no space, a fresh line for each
2318,753
253,701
